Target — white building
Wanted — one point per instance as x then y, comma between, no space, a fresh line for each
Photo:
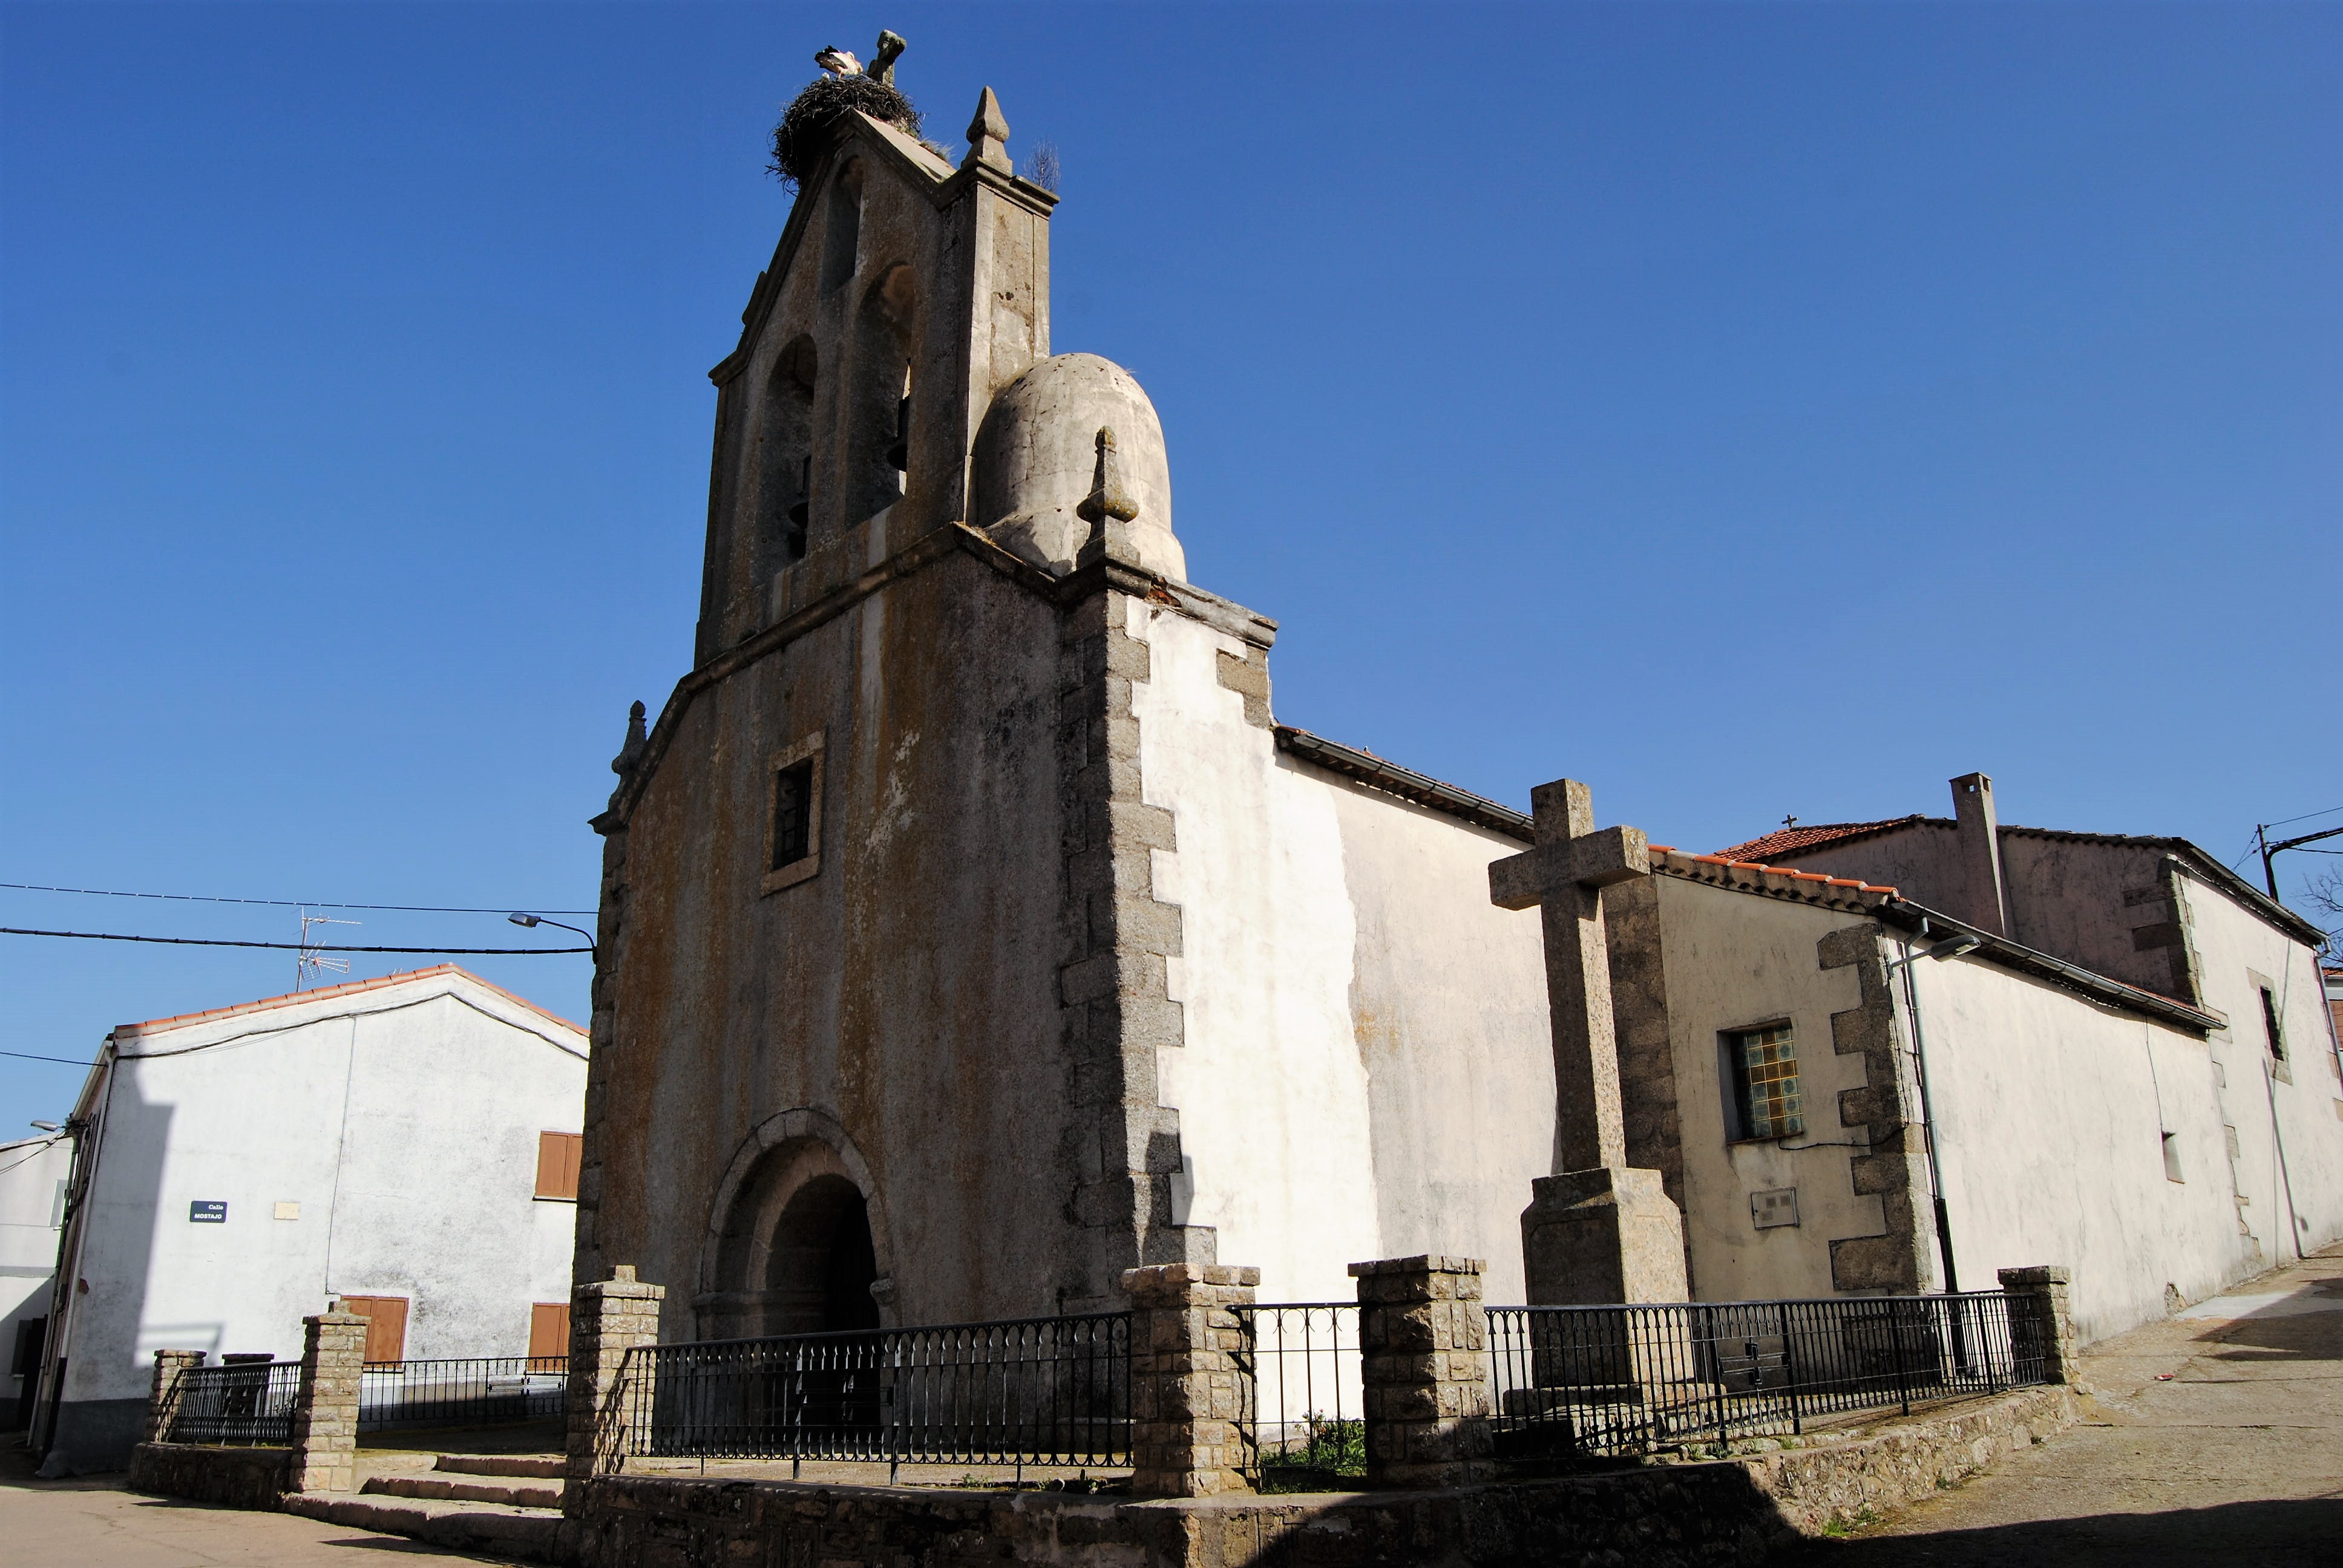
2122,1061
404,1146
32,1209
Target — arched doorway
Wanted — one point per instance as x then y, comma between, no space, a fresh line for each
798,1241
821,1265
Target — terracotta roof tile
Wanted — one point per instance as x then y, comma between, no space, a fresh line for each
1789,841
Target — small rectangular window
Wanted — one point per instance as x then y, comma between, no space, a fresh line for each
1763,1065
793,821
558,1155
792,814
2271,1031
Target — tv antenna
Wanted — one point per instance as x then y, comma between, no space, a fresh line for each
313,962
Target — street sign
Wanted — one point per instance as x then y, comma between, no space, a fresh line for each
207,1212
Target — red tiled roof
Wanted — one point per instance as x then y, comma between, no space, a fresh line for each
349,988
1730,862
1790,840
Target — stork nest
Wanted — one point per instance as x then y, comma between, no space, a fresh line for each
803,135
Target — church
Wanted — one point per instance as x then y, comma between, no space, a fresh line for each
971,931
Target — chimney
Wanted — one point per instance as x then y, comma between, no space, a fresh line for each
1983,905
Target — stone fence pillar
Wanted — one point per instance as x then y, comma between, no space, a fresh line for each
163,1399
606,1318
2041,1328
1186,1393
1424,1340
326,1409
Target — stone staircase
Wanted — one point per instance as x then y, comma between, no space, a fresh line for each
497,1505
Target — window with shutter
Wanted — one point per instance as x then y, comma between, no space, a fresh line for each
549,1331
557,1157
385,1317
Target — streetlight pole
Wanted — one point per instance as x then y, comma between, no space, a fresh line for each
593,949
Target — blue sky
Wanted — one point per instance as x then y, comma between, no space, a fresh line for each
1750,409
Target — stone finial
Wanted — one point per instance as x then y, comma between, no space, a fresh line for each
882,58
631,752
623,1271
1108,498
988,136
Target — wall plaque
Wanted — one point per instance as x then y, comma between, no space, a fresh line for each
207,1212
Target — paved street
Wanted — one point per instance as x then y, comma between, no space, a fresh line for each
2236,1459
95,1522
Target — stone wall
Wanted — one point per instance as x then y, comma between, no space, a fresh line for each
235,1477
1732,1511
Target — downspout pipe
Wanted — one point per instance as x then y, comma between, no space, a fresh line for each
1947,949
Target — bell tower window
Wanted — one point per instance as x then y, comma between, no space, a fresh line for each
878,436
786,459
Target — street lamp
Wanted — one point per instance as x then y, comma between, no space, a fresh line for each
520,919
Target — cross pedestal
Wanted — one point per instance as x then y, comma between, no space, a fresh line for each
1597,1231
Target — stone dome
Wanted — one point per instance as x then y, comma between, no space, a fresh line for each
1037,453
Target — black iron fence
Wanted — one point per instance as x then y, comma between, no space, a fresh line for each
473,1391
1303,1423
1624,1380
1037,1390
248,1403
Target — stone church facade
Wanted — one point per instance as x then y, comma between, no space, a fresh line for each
970,932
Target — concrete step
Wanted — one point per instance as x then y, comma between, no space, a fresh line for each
454,1489
486,1528
540,1464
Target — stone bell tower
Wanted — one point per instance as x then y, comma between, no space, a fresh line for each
882,972
902,296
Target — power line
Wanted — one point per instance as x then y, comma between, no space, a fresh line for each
286,947
28,1055
290,903
2306,816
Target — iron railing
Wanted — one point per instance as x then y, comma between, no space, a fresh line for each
472,1390
1302,1419
248,1403
1625,1379
1036,1391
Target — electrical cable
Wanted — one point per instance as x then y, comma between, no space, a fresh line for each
28,1055
286,903
285,947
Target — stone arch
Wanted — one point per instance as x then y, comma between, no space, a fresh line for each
788,1217
878,413
785,457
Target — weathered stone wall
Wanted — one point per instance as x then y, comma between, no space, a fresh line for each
1711,1513
234,1477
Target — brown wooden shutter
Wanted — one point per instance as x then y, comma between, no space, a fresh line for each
386,1319
548,1330
557,1157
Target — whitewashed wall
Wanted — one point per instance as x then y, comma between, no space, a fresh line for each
33,1175
2289,1122
1368,1068
2051,1113
403,1121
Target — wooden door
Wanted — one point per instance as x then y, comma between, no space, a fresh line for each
548,1330
386,1319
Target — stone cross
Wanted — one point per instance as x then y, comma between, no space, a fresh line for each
1566,873
1597,1229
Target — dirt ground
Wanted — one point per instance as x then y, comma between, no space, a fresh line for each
2213,1437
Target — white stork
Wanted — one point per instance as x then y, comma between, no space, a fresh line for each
837,62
